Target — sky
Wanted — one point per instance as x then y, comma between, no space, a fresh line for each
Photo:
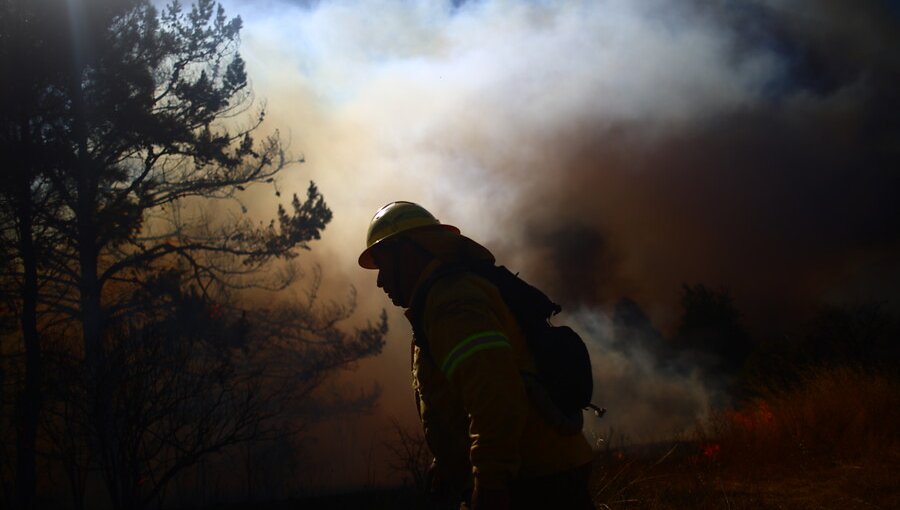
603,149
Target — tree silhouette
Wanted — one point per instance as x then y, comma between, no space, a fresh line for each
121,125
861,336
189,377
710,328
29,63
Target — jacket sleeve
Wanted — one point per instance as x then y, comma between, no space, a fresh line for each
471,347
443,422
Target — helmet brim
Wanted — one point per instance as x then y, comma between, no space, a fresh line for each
367,261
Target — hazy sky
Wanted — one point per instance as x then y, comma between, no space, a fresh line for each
604,149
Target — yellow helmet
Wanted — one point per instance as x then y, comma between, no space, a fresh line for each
397,218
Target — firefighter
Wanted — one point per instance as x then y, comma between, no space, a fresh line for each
481,426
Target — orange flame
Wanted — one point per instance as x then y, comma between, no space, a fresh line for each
761,416
710,451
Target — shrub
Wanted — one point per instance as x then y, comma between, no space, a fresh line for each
832,414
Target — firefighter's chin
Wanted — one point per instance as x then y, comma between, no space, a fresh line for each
395,299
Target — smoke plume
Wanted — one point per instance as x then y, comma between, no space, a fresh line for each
603,149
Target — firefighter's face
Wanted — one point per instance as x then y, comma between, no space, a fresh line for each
388,272
398,269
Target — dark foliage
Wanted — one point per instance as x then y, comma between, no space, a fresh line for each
120,127
862,336
710,327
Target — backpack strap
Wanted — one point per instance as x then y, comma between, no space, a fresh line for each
530,306
417,304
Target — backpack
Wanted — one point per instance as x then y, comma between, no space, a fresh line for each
561,359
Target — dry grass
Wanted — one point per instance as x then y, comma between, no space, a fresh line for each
832,441
833,415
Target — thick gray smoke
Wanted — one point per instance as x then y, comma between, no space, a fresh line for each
645,400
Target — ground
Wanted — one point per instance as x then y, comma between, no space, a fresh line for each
829,441
694,481
682,476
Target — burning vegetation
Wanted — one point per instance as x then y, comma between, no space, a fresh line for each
831,415
829,441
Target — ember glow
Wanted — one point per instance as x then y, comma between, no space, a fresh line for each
711,450
758,418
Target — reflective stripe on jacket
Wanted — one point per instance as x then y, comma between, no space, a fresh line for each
470,390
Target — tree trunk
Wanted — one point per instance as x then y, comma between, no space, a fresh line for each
28,401
86,225
89,284
103,438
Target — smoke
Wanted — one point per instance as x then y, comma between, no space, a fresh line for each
603,149
647,399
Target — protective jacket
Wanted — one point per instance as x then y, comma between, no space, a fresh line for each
470,393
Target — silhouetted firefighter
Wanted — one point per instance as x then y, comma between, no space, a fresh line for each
499,390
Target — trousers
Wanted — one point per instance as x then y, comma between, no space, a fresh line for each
567,490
